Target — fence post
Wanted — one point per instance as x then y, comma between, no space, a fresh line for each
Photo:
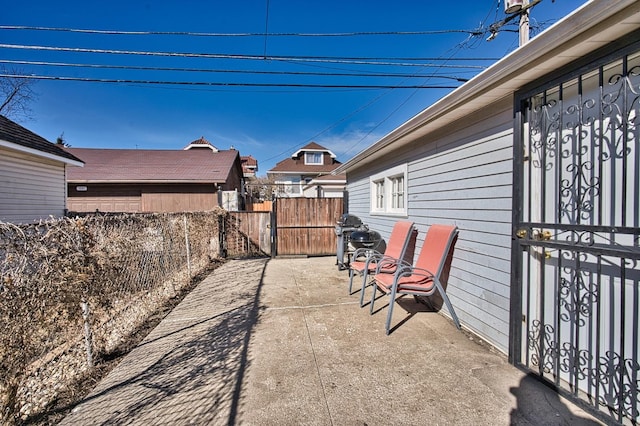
88,340
186,243
273,218
222,236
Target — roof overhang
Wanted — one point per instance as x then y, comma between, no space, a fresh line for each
149,181
37,153
327,182
293,173
297,153
595,24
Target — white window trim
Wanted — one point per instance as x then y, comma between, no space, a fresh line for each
320,163
291,187
385,177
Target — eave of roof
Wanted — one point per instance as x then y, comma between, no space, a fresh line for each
590,27
290,166
313,147
18,138
41,154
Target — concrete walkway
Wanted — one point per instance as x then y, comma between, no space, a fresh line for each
280,342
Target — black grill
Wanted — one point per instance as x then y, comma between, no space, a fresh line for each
365,239
347,224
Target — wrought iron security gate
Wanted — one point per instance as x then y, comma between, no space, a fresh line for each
576,251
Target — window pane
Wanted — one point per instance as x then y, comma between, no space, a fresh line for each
313,158
379,194
397,192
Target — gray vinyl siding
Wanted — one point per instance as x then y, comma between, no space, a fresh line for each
30,188
461,177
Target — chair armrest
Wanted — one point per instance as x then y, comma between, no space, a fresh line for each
410,270
365,252
369,256
387,261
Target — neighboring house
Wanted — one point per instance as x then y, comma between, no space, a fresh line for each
197,178
32,175
537,161
249,166
307,173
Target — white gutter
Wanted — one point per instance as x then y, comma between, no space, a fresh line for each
593,25
41,154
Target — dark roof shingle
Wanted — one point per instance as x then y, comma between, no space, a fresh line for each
142,165
15,133
292,166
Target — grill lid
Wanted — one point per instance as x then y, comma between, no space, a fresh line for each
365,236
349,220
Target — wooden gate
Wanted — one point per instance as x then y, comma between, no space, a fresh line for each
306,226
255,227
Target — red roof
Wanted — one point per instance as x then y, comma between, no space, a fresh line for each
201,143
313,146
141,165
249,160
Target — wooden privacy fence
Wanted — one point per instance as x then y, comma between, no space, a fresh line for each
295,226
255,226
264,206
306,226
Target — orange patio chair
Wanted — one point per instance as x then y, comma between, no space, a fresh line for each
365,260
423,278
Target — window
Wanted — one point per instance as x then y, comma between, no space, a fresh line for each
397,192
313,158
293,186
290,187
388,192
379,195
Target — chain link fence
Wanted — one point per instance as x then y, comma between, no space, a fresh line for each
72,291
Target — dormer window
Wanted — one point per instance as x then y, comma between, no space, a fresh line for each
314,158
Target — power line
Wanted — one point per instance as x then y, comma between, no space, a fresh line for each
302,60
230,71
225,84
408,98
331,59
266,29
473,32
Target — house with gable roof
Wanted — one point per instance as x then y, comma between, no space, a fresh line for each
307,173
145,180
32,175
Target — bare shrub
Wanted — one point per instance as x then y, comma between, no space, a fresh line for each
119,268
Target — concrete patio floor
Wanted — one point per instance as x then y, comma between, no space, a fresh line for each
280,342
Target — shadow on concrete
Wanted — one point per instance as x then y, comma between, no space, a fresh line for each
409,305
204,363
531,394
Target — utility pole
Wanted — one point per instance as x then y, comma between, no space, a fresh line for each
524,23
513,9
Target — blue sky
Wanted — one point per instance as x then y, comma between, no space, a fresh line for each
267,122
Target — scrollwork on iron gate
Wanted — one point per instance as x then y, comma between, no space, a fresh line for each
614,377
577,293
581,188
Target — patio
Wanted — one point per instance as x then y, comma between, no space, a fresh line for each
280,341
